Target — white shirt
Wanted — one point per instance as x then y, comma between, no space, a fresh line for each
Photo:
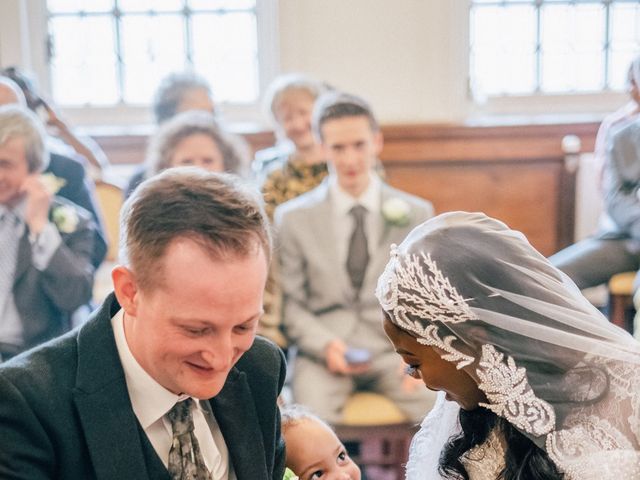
151,402
343,222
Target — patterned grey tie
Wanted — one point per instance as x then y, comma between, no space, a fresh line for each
358,254
9,243
185,458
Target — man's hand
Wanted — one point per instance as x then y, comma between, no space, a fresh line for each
336,363
38,202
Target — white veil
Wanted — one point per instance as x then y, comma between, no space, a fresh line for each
548,362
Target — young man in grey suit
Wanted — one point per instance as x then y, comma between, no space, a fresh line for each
46,243
333,243
167,380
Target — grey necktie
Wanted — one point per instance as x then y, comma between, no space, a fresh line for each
185,458
358,254
9,243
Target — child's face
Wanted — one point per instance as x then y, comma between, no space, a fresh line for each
315,453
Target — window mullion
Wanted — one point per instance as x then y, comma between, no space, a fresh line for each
538,47
120,67
607,42
188,41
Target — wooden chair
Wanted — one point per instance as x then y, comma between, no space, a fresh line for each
377,435
621,309
110,201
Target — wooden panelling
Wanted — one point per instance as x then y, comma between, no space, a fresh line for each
131,148
502,190
516,173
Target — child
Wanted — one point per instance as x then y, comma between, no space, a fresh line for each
313,449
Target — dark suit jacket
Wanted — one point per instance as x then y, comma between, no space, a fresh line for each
45,299
80,190
65,412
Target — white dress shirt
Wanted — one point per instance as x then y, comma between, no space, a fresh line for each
151,402
343,222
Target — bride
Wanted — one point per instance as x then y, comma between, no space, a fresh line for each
535,383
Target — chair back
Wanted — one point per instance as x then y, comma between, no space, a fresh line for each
110,200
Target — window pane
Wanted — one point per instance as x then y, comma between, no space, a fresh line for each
83,71
503,49
625,42
226,52
222,4
72,6
152,47
146,5
572,47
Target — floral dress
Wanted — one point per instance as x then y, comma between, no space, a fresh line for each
288,180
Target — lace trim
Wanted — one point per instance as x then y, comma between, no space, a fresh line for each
486,460
429,336
424,294
510,396
592,446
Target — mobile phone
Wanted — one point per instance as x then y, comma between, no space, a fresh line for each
357,356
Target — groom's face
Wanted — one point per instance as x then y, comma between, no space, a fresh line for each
188,331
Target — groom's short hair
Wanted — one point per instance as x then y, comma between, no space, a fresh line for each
218,211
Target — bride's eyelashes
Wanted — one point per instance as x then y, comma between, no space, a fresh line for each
412,371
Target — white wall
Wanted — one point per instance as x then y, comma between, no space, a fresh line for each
406,56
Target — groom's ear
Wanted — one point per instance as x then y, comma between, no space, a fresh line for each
125,288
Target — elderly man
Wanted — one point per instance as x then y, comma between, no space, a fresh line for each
77,187
167,380
45,243
334,243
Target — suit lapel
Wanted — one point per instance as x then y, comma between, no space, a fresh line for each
235,412
322,224
102,400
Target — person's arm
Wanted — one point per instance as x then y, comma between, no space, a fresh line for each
303,327
80,190
86,147
620,185
67,278
61,252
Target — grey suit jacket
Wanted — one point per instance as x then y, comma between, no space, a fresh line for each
65,411
45,299
319,302
622,181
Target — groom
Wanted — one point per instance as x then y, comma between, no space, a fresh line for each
167,380
333,244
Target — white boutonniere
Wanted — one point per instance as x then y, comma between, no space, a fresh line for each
396,212
65,218
52,183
